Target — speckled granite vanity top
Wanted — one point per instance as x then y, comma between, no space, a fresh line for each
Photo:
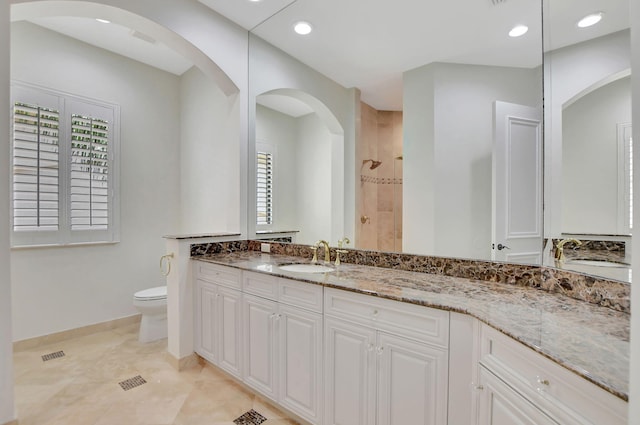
590,340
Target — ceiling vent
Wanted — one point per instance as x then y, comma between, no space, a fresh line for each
497,2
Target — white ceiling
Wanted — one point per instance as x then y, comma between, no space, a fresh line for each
368,44
118,39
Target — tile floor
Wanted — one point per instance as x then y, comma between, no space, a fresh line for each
82,387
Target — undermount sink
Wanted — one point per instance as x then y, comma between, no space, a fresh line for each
596,263
306,268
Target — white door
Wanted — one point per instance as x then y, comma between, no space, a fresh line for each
300,352
350,381
517,184
412,382
501,405
205,320
260,348
229,330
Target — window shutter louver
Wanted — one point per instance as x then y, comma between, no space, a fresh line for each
264,180
89,173
64,157
35,168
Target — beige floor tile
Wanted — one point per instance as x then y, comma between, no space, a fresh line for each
82,387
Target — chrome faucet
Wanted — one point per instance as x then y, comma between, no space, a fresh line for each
559,255
327,254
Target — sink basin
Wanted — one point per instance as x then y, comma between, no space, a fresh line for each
306,268
596,263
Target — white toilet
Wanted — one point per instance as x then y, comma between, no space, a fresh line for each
152,303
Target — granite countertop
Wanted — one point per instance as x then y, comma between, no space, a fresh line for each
587,339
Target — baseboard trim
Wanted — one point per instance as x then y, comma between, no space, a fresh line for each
27,344
184,363
13,422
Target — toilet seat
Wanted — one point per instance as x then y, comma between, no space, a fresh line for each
151,294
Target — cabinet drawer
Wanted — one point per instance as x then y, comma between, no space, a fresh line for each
221,275
412,321
300,294
260,284
563,395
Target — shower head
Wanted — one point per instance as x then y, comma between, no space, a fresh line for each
374,164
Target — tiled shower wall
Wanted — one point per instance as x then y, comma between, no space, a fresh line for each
379,194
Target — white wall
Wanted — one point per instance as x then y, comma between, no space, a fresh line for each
209,152
280,131
314,175
304,166
568,73
590,166
77,286
448,144
7,407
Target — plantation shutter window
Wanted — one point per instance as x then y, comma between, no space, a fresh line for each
89,173
264,184
64,161
35,168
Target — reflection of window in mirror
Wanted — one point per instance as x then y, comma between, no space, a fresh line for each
264,184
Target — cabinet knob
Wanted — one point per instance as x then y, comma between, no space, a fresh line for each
542,381
542,384
380,349
375,313
473,386
369,347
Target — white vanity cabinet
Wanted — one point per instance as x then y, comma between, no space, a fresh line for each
283,342
518,385
218,316
500,404
386,362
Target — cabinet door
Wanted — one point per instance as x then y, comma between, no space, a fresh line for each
260,348
205,319
350,381
412,382
300,353
501,405
229,330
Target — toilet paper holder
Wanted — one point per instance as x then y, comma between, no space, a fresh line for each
168,258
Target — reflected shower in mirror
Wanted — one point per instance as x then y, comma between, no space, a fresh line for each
396,95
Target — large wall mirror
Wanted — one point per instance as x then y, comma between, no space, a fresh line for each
588,134
405,160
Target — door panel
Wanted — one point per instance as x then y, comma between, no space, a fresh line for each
205,320
501,405
229,330
517,184
260,349
300,335
412,382
349,373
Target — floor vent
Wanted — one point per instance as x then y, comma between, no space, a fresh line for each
52,356
131,383
250,418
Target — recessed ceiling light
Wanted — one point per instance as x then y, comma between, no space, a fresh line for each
518,31
589,20
302,28
254,1
103,21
